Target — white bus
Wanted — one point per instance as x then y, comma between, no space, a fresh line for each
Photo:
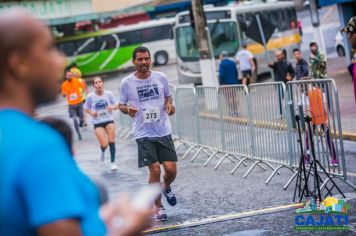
230,26
111,50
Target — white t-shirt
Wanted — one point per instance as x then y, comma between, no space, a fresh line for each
148,96
244,56
97,103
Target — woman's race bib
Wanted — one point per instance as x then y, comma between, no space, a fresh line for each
151,115
104,113
73,97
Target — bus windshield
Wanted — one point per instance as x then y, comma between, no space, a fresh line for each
223,37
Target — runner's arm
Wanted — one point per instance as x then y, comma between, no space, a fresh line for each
169,105
90,112
61,227
131,111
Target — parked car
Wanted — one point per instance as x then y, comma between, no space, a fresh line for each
339,45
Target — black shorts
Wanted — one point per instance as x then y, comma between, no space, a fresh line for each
152,150
246,73
76,111
103,125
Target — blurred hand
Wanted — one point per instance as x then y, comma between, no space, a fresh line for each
170,109
122,219
110,108
132,111
94,113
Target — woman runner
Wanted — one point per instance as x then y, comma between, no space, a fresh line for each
99,105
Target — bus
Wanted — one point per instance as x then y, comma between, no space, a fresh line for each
111,50
230,27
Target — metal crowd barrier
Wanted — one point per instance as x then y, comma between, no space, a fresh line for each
257,124
318,100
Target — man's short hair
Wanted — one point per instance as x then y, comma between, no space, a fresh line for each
296,50
140,49
313,44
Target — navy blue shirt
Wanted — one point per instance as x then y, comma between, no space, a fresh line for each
301,69
40,183
228,72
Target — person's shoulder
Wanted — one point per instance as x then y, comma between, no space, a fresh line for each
108,92
27,130
158,74
91,94
127,78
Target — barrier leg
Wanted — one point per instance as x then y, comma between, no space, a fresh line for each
128,135
275,172
211,157
251,168
259,165
290,180
350,184
187,152
238,165
221,161
196,154
178,146
245,158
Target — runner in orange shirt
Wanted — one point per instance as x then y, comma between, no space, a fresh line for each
76,73
72,90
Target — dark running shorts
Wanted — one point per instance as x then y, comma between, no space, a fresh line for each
103,125
152,150
246,73
76,111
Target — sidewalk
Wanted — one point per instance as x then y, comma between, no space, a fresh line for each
339,73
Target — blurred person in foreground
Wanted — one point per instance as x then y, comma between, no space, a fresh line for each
42,191
350,30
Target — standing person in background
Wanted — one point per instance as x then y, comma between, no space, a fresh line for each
228,74
100,105
317,62
72,90
301,67
283,72
350,30
283,69
244,58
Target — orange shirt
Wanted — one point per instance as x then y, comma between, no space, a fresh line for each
316,103
73,90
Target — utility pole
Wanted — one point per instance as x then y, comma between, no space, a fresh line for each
206,55
318,33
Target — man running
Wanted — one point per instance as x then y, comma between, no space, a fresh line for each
73,89
100,105
145,96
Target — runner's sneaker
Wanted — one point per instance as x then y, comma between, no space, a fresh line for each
334,163
161,215
171,198
113,167
102,157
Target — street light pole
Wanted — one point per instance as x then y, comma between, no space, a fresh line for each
206,55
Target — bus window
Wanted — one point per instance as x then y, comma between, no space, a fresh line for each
224,37
186,43
68,48
108,41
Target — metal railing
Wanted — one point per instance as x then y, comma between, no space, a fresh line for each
256,125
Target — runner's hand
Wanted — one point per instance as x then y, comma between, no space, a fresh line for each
94,113
110,108
170,109
132,111
122,219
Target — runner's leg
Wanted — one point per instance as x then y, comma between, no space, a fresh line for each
170,173
110,130
155,177
103,141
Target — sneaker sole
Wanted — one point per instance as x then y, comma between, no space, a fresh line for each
165,219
